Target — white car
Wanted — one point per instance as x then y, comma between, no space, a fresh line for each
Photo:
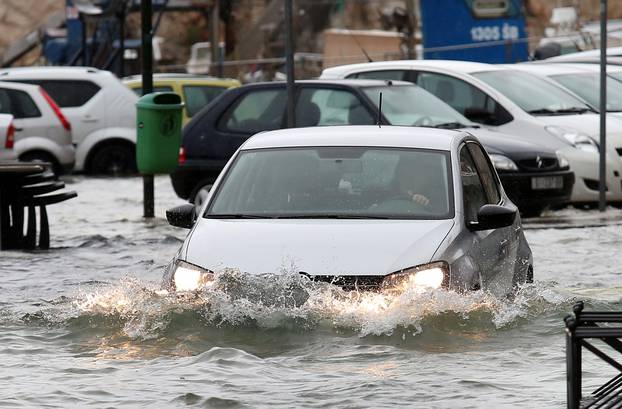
516,103
583,80
42,132
588,55
7,135
102,112
362,207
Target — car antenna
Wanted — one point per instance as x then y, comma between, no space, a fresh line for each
360,46
379,123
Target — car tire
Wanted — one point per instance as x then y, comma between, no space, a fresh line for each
113,159
42,157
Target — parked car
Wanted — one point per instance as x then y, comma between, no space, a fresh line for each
537,175
42,132
7,138
101,109
583,80
364,207
614,53
518,104
195,91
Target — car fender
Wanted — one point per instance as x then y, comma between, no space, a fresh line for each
101,135
39,143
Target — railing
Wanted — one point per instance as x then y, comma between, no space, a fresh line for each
581,327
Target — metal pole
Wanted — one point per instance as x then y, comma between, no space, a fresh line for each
121,16
215,37
410,35
602,200
147,74
83,39
289,61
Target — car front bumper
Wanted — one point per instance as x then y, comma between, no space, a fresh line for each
518,187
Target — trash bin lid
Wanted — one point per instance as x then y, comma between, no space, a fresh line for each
160,101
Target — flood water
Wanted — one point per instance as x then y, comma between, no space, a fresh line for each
82,325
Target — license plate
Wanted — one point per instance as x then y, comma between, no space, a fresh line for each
547,182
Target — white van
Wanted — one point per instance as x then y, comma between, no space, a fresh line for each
100,108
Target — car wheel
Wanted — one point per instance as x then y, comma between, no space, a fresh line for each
42,157
113,159
200,195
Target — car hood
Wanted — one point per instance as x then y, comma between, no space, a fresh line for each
316,247
509,145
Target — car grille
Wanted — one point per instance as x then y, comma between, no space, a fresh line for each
350,283
538,163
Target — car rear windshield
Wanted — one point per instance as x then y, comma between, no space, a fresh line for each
410,105
587,86
535,95
336,182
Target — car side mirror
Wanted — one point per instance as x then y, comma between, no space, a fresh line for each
493,217
479,115
181,216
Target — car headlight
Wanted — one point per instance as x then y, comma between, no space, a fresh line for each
431,275
562,162
504,163
188,277
576,138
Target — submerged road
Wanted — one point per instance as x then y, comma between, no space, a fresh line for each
82,325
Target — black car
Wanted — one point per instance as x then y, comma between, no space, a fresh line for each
534,176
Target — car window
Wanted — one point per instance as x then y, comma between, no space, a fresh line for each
18,103
587,86
397,75
164,88
462,96
198,96
67,93
255,111
316,106
474,196
338,181
486,173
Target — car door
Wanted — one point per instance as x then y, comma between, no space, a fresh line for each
464,98
493,251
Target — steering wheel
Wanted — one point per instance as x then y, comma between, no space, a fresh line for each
423,121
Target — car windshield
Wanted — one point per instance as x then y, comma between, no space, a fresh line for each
198,96
535,95
336,182
587,86
411,105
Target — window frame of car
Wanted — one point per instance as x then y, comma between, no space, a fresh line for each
495,177
501,114
43,82
12,94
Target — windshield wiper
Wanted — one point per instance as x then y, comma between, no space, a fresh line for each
238,216
455,125
332,216
546,111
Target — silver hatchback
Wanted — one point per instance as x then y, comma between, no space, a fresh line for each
361,207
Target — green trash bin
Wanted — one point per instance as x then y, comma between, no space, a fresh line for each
158,127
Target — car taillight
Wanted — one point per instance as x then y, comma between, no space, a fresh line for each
182,155
10,137
56,109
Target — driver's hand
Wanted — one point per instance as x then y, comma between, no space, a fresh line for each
420,199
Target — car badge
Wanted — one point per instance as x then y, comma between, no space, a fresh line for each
539,162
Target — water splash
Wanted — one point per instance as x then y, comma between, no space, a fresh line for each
143,311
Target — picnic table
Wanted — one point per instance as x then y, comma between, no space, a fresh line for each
24,187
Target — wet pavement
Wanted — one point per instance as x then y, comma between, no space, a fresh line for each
82,325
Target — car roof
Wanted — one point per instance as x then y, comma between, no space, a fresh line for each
30,88
461,66
552,69
355,83
53,70
183,78
367,135
611,51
